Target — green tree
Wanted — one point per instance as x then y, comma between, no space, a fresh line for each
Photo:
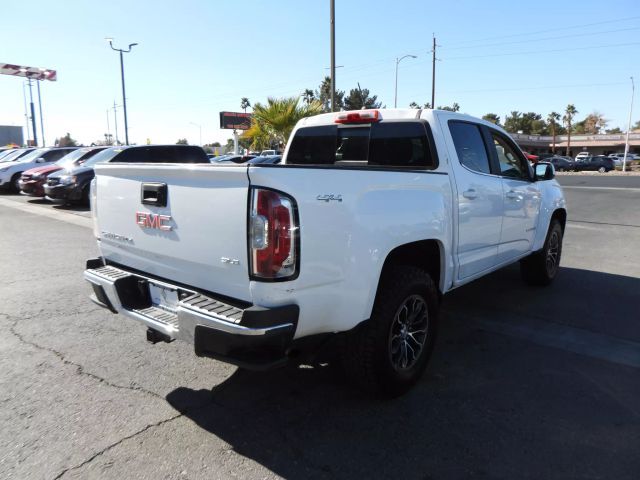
416,106
613,130
244,104
323,94
359,98
636,126
182,141
65,141
552,120
453,108
308,96
492,117
530,123
592,124
567,119
272,123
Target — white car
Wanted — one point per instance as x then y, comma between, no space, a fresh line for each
582,155
347,246
11,171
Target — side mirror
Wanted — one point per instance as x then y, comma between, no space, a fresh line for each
544,171
40,160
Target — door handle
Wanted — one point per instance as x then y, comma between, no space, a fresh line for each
513,195
471,194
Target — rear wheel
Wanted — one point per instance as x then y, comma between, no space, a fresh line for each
388,354
602,170
541,268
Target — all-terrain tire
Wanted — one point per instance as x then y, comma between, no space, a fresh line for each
541,268
375,355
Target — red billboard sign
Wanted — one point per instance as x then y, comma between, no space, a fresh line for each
28,72
235,120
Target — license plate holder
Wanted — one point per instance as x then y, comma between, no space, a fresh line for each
163,297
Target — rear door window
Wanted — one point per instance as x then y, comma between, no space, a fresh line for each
470,146
399,144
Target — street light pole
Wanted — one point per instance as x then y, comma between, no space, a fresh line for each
200,128
626,143
398,60
124,96
33,116
333,55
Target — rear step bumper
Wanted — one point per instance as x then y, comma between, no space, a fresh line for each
253,337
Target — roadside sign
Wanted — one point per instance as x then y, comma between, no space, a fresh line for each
28,72
235,120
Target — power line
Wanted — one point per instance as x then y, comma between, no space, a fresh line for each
531,52
586,34
581,25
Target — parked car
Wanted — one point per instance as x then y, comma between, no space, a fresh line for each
383,239
561,164
16,153
598,163
238,159
268,153
32,181
265,159
10,172
582,155
72,186
531,157
6,151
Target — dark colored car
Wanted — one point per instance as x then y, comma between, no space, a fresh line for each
67,186
230,159
598,163
266,159
32,181
561,164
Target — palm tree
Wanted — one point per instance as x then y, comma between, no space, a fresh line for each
569,113
553,118
308,96
244,104
274,122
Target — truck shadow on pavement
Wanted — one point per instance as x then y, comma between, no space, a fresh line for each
489,404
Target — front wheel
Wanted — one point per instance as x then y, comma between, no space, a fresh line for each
541,268
602,170
388,354
15,182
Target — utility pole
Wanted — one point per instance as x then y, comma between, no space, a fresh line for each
26,113
333,55
40,108
33,116
115,120
626,143
433,74
108,129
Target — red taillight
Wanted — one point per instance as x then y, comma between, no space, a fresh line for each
272,235
361,116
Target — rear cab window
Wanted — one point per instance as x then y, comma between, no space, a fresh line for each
391,144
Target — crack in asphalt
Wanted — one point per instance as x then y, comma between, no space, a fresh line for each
115,444
80,370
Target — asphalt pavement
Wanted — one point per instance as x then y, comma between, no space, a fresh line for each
524,382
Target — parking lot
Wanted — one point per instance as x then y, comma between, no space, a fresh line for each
524,382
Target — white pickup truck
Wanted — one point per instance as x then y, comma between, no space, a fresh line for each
346,247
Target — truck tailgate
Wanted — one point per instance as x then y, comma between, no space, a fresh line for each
198,238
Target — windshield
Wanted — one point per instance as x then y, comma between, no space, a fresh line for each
68,160
11,156
30,157
103,156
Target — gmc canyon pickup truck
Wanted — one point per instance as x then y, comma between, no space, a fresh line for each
346,247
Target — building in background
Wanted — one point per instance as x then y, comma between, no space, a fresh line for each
10,134
601,144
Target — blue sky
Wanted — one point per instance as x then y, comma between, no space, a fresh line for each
196,58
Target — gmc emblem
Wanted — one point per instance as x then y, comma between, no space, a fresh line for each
153,220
